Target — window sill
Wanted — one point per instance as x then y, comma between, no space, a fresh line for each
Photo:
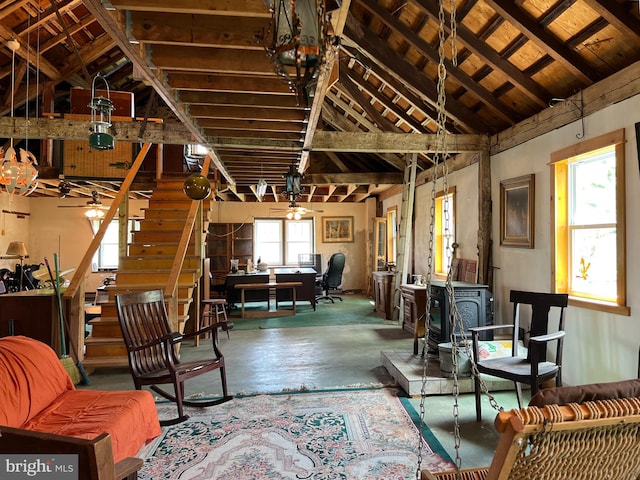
600,306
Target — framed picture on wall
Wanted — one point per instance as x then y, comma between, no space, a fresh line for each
337,229
517,219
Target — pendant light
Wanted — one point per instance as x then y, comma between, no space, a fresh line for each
101,108
18,173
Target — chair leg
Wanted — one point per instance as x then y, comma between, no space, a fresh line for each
519,393
477,392
179,399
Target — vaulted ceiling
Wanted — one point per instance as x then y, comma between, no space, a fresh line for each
201,67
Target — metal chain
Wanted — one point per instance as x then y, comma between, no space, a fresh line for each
438,159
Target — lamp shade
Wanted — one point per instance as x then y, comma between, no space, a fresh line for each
17,249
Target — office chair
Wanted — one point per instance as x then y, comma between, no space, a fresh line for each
332,278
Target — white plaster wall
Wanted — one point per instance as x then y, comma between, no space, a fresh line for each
356,267
66,232
598,346
466,222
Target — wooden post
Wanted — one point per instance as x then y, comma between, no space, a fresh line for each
484,216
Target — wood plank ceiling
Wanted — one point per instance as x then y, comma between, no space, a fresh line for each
202,63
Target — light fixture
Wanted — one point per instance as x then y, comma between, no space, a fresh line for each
293,184
101,108
297,39
18,250
262,188
94,213
17,174
197,187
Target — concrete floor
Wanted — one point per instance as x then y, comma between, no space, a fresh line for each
273,360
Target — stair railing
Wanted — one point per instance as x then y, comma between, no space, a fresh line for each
74,291
195,212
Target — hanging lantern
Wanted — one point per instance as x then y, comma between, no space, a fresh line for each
197,187
101,108
293,183
297,39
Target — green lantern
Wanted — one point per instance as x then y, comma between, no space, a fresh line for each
197,187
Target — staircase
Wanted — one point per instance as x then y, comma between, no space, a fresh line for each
147,266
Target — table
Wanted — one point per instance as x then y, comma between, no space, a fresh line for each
291,286
305,275
235,279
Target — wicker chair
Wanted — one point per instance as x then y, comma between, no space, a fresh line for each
578,441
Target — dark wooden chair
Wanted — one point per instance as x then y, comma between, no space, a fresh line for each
534,369
153,356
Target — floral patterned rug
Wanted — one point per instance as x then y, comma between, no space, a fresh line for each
350,434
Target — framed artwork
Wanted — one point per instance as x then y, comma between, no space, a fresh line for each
517,219
337,229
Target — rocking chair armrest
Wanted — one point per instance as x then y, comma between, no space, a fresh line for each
548,337
166,339
213,329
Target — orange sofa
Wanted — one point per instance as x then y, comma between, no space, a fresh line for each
36,394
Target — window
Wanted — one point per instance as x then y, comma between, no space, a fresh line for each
107,256
589,221
280,241
445,231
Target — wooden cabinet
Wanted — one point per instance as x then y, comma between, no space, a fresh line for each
414,298
229,240
383,293
31,314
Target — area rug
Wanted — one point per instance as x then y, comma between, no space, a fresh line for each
351,434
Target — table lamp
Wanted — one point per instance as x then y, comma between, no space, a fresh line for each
18,250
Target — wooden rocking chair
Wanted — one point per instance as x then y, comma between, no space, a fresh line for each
578,441
152,353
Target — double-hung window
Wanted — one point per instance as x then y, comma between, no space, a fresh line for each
444,230
279,241
589,257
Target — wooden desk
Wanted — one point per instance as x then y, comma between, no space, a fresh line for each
305,275
268,286
233,281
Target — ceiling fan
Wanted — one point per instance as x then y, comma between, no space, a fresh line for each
94,207
294,211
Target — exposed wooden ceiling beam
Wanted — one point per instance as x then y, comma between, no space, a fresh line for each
467,38
550,44
497,107
379,52
249,8
196,30
112,28
617,16
396,142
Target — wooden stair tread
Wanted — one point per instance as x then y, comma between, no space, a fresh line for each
111,361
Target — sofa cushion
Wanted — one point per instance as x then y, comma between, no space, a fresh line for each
586,393
130,417
31,377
